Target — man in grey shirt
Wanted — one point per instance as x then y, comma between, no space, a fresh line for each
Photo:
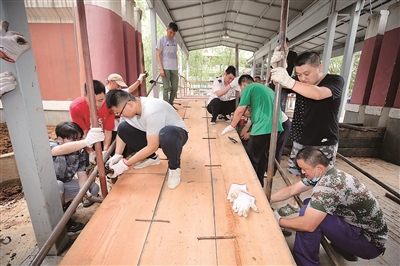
167,48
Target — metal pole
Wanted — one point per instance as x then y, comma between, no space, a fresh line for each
376,180
328,249
67,215
277,105
90,91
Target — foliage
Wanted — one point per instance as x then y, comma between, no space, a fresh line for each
335,66
205,64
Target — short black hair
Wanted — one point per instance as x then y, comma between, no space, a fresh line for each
99,88
312,156
311,58
231,70
69,130
172,26
117,96
245,78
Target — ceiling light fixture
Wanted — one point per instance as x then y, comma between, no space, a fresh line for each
225,35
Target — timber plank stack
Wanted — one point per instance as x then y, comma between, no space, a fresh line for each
198,207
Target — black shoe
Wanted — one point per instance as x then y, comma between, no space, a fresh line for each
347,256
66,206
286,232
86,202
74,228
212,122
224,118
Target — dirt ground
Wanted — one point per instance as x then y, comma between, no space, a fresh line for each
12,190
15,219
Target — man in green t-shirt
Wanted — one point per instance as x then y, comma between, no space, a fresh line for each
341,208
260,100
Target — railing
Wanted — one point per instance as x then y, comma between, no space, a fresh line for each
196,88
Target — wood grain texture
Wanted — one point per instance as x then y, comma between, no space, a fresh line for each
198,207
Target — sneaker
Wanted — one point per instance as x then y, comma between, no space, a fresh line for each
86,202
288,210
66,206
347,256
147,162
224,118
74,228
286,232
174,178
212,122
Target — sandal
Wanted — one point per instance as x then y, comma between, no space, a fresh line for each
287,210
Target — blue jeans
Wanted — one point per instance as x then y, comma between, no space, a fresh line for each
343,235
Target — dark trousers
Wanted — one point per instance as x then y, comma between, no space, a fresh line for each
343,235
216,107
172,139
257,150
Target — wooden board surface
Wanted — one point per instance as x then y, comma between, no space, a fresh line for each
198,207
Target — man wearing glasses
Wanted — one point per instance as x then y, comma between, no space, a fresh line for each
148,124
80,114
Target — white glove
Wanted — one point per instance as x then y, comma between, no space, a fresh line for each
119,168
235,190
92,157
114,159
13,44
277,216
281,76
235,84
227,129
94,135
277,56
141,76
7,82
243,203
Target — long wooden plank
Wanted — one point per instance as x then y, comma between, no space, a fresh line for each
112,236
257,227
188,207
197,208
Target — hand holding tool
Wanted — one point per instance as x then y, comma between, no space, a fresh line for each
94,135
281,76
277,56
119,168
114,159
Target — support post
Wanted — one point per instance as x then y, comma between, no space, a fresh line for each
90,91
348,53
330,36
277,105
23,110
153,35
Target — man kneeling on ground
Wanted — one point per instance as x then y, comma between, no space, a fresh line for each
341,208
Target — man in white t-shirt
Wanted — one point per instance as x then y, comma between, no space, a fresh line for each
148,124
221,101
166,51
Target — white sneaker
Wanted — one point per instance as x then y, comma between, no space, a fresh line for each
147,162
174,178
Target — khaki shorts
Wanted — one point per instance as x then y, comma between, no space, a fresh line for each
329,151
